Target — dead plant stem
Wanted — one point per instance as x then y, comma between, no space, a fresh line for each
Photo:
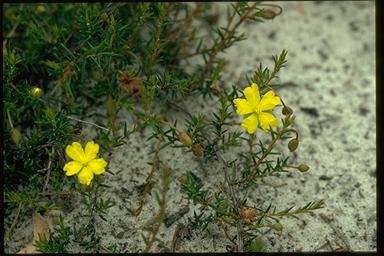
14,222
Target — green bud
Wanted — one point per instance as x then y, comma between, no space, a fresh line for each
256,245
40,9
16,135
104,16
303,168
277,227
293,144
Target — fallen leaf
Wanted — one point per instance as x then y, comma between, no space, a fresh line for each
30,248
131,84
40,227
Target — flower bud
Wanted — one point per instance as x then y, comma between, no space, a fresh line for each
303,168
268,14
293,144
40,9
287,111
104,16
16,135
184,138
36,91
197,150
277,227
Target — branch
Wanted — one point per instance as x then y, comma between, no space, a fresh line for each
86,122
155,166
222,43
171,36
49,170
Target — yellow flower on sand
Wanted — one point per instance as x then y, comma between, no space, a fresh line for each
258,112
85,163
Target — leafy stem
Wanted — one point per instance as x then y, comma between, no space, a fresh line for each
224,40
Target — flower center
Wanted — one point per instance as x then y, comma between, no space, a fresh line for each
257,110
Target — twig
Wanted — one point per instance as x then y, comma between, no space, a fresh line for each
254,167
266,152
86,122
336,230
14,222
176,235
12,32
156,52
226,234
10,119
240,246
54,193
162,211
152,237
155,166
250,152
324,245
254,177
186,22
222,43
49,170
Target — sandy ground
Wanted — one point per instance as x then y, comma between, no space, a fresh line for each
329,83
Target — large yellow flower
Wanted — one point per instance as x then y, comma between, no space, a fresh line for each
85,163
257,112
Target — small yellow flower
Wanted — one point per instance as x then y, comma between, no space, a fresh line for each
36,91
258,112
85,163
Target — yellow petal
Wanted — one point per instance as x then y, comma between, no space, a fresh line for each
250,123
97,166
76,152
242,106
252,94
269,101
91,150
72,168
267,120
85,176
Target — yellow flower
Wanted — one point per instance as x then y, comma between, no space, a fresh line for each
85,163
258,112
36,91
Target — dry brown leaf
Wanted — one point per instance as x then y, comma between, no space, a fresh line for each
131,84
40,226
